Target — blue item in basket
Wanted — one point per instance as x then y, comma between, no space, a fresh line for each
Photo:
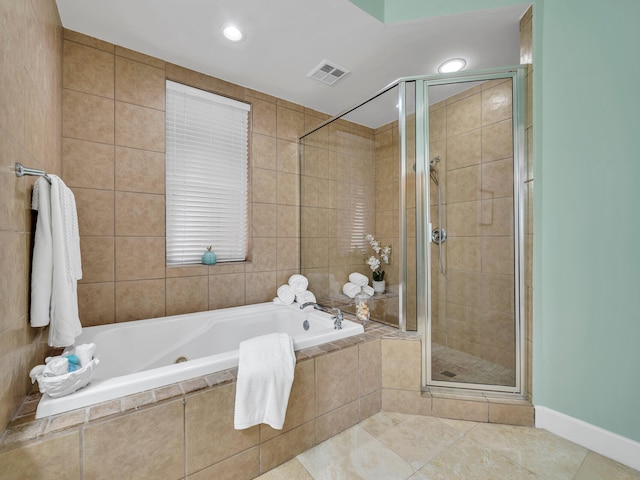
74,363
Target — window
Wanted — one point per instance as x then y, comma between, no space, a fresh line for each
206,175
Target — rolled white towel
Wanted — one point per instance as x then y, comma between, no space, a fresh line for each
358,279
85,352
277,301
298,283
286,294
351,289
305,297
368,290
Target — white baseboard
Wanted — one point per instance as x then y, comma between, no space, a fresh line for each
619,448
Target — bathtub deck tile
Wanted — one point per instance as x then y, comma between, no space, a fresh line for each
29,405
23,432
104,409
368,337
354,340
66,420
342,343
167,392
219,378
313,352
301,355
329,347
194,385
133,402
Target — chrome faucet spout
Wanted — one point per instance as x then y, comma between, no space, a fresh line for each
305,305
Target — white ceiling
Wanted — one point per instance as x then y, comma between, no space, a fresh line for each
286,39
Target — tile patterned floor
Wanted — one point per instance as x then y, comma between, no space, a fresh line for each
391,446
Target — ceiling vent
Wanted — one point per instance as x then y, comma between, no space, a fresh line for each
328,72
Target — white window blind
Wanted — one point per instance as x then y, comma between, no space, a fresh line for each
206,175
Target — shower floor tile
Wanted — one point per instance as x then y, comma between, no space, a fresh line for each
451,365
412,447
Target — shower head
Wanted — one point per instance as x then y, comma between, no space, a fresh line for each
433,162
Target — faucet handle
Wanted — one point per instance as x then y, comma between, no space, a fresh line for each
337,319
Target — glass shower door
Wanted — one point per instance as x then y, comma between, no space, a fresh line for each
472,162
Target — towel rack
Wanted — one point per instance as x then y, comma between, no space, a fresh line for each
22,171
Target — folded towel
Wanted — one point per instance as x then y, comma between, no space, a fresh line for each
351,289
266,366
368,290
358,279
305,297
298,283
286,294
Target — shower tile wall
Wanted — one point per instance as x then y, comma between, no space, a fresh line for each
113,159
338,206
30,106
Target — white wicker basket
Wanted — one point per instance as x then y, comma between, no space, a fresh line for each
67,383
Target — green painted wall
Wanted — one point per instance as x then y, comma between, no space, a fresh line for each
375,8
587,218
393,11
587,203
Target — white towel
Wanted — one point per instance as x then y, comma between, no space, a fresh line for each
85,353
358,279
286,295
305,297
266,366
55,366
56,265
298,283
351,289
368,290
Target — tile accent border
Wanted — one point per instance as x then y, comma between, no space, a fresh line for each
619,448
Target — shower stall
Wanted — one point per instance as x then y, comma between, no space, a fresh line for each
432,166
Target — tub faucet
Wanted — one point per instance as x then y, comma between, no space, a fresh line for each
305,305
337,318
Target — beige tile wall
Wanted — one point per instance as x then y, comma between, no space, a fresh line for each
30,109
337,192
349,177
113,159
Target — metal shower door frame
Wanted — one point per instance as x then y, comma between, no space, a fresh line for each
423,220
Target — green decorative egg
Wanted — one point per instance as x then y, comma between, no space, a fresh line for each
209,256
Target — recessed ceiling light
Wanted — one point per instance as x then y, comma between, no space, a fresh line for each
232,33
452,65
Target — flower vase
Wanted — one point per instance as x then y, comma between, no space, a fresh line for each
209,256
379,286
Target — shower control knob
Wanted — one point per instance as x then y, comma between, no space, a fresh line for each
439,236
